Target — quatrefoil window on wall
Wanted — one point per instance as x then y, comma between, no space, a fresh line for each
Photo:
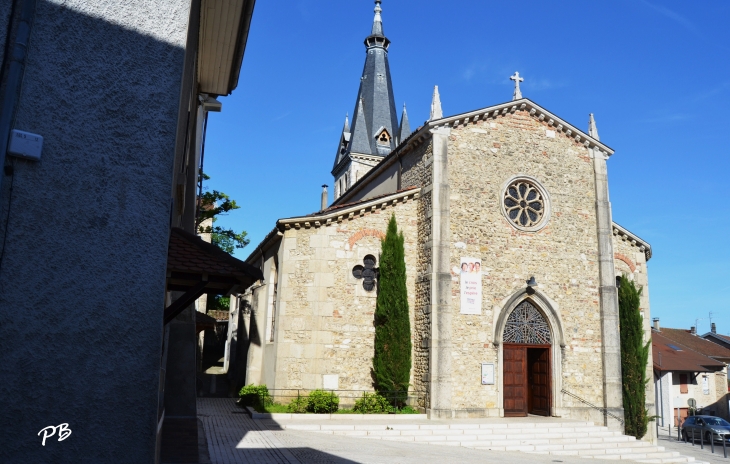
368,273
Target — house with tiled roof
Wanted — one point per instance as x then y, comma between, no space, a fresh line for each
714,337
686,367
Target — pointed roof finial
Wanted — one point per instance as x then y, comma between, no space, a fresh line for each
405,127
436,111
347,123
592,129
378,21
518,93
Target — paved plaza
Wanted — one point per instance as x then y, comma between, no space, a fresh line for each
233,437
706,455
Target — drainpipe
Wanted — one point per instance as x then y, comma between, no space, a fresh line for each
16,66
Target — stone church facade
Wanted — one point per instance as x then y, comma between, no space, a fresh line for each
512,186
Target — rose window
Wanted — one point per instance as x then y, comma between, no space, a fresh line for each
524,204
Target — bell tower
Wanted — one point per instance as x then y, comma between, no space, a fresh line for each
374,131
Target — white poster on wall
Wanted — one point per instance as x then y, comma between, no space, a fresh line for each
471,286
705,385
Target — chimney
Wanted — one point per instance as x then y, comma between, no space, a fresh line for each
656,324
713,328
693,330
324,198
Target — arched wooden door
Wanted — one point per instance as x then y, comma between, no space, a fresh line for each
526,360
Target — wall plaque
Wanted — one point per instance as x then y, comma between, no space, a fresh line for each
487,373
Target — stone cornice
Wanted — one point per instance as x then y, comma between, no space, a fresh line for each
634,239
536,111
347,212
423,133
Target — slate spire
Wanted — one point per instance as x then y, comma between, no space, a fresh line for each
405,127
375,120
360,138
592,129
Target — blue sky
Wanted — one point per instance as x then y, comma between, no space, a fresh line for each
655,74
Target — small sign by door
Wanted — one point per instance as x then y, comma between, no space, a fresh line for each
487,373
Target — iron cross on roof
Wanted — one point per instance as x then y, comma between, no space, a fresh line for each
518,94
368,273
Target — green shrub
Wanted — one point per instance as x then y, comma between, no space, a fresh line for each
408,410
634,359
372,403
298,405
392,358
322,402
256,396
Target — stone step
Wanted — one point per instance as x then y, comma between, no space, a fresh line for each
560,439
672,460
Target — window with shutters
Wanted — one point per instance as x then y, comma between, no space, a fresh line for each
683,383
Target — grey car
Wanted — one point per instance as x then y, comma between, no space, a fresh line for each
707,427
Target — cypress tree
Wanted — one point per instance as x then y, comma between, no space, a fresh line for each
392,361
634,356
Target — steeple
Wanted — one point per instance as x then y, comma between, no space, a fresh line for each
375,120
592,129
405,127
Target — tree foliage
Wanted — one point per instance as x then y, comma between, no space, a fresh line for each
211,205
392,360
634,358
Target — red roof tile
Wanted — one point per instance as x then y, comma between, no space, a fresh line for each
189,253
669,355
696,343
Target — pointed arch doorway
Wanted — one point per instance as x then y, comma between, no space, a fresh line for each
526,358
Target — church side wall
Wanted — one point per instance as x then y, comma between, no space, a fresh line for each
416,172
562,256
325,319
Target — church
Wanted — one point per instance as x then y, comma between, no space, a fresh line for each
512,260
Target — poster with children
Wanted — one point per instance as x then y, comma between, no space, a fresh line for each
471,286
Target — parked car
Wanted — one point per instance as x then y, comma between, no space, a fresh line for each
709,427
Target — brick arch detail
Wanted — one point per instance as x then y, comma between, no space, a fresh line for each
362,233
626,260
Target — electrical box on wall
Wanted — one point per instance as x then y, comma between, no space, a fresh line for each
25,145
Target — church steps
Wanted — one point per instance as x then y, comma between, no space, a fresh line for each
556,438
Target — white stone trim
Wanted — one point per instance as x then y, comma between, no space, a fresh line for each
546,198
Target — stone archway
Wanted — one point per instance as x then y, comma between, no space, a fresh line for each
529,338
526,370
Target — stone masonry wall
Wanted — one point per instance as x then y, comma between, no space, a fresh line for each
325,317
415,172
630,260
562,256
